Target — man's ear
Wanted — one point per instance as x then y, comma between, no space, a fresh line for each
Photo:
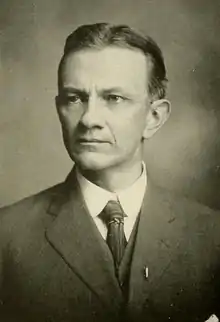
157,115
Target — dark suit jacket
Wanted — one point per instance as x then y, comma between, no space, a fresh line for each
55,266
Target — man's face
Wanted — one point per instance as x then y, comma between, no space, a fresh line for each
102,104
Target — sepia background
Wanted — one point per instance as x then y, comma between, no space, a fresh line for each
184,156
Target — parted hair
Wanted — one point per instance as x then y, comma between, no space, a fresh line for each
102,35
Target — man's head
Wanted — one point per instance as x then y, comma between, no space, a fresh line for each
112,86
102,35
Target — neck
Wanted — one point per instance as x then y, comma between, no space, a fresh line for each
113,180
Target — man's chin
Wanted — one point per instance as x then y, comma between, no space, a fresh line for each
91,161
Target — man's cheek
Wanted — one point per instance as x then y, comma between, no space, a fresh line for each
70,123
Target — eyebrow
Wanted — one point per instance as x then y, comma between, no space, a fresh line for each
115,90
73,90
105,91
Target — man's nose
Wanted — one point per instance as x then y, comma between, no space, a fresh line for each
93,113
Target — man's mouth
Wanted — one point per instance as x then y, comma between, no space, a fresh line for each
85,141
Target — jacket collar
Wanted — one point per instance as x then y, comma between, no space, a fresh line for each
75,237
89,256
156,242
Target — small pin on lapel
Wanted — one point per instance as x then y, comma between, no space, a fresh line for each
146,272
213,318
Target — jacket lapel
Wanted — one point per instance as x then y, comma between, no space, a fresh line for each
156,241
77,240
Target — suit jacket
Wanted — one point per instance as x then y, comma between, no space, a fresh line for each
55,266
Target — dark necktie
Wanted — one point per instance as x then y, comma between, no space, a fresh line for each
113,216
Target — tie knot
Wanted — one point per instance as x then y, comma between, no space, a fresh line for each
113,212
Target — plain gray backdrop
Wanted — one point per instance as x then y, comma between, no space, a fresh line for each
184,155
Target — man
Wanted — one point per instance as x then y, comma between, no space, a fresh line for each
107,245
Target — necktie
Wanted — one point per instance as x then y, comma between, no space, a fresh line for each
113,216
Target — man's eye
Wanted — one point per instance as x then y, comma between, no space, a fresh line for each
76,99
112,98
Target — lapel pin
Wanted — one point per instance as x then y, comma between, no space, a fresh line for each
213,318
146,272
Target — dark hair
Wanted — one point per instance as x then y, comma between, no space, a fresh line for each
101,35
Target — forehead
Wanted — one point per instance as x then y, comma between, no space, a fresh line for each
106,68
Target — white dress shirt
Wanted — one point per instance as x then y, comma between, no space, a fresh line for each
130,199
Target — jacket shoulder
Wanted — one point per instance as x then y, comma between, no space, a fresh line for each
30,212
182,202
39,198
192,214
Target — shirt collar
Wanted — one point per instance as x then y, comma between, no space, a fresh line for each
130,198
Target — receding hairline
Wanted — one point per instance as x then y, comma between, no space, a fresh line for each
102,35
147,58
